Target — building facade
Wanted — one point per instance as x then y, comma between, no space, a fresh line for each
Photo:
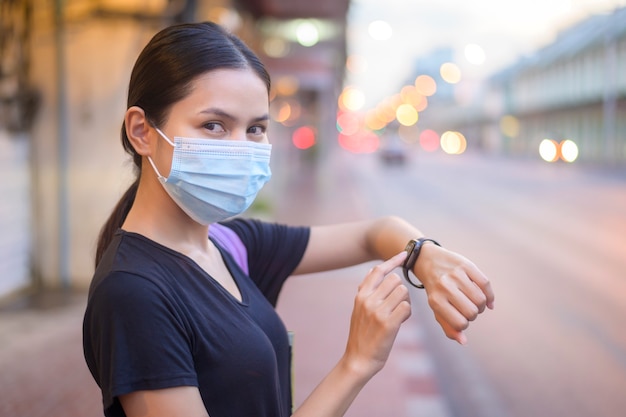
64,70
574,88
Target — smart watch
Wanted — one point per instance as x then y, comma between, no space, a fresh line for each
413,249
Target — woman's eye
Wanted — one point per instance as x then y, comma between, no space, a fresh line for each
257,130
214,127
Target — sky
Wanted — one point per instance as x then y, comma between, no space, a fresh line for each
505,30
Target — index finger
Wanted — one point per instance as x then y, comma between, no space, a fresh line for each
376,274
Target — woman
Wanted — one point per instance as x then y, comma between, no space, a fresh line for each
174,326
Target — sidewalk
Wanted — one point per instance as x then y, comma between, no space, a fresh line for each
43,373
317,309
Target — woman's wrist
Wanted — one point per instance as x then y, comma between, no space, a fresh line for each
359,371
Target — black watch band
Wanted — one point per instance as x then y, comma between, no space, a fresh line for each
413,249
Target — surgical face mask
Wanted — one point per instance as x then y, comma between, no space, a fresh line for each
213,179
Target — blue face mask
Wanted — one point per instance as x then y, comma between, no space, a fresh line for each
213,179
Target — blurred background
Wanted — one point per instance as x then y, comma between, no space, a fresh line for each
498,128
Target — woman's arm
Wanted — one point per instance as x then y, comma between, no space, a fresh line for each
168,402
347,244
457,290
382,304
380,307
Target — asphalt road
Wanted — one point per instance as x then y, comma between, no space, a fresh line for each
552,239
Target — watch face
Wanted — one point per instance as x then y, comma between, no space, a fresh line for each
410,258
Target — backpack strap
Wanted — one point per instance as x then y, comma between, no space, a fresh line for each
229,240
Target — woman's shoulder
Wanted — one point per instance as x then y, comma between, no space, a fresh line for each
131,260
254,229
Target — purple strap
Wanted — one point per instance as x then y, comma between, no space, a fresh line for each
229,240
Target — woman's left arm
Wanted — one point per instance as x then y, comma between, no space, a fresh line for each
347,244
457,290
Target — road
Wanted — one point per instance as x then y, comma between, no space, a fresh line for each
552,239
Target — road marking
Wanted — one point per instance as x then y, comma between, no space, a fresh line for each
417,368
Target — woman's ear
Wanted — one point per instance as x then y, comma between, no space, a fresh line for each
138,130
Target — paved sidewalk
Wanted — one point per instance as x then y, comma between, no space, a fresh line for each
43,373
317,309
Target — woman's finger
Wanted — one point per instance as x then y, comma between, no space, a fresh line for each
378,273
483,283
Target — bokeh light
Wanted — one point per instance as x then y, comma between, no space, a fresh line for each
287,85
364,141
303,137
509,126
380,30
450,72
453,143
474,54
275,47
429,140
356,64
348,123
226,17
307,33
569,150
281,112
410,95
426,85
351,99
549,150
285,111
386,110
373,121
406,115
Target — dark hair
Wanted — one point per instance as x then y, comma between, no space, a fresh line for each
163,75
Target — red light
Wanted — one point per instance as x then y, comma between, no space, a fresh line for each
429,140
303,137
362,142
347,123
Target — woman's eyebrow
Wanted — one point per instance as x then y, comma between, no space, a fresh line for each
263,118
222,113
218,112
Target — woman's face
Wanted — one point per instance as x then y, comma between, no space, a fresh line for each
230,104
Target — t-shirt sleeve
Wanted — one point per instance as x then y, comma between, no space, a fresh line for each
135,338
274,252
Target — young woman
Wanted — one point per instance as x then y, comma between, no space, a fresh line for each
174,325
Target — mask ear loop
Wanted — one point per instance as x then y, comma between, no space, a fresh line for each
164,136
161,177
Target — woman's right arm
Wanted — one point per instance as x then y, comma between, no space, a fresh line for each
168,402
382,304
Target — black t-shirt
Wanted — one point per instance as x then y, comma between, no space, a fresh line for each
155,319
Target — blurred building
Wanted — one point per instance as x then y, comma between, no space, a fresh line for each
574,88
430,64
64,69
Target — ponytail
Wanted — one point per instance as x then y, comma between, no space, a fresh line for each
115,220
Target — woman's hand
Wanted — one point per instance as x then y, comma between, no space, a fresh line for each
382,304
457,290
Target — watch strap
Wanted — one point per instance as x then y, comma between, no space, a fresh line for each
413,248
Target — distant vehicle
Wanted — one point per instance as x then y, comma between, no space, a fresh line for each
393,151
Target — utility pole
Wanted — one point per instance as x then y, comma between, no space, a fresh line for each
62,148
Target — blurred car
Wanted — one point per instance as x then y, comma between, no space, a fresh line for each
393,151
